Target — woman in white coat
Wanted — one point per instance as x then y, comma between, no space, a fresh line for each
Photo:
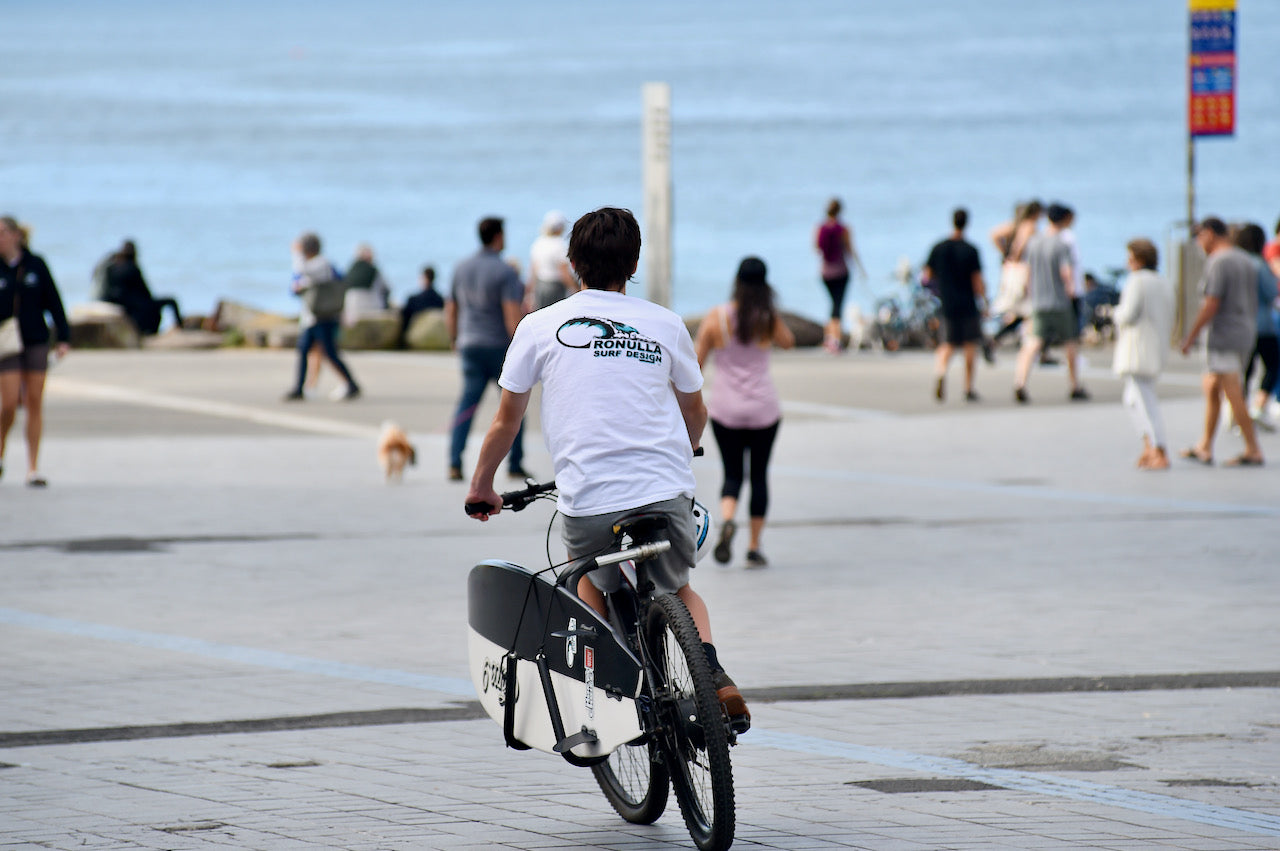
1144,323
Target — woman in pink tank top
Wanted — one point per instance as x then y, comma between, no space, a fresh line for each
743,404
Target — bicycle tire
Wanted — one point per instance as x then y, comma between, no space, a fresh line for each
635,784
693,739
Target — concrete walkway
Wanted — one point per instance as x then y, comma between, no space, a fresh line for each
981,628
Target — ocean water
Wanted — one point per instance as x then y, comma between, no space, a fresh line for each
213,134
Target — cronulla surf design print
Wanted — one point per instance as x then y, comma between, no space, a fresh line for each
606,338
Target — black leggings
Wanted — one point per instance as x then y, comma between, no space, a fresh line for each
836,288
1268,351
734,444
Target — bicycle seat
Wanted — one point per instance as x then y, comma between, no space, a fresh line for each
642,528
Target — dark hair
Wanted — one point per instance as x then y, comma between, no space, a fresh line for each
1214,225
1032,209
1059,213
756,313
429,272
604,247
310,244
960,218
1144,251
490,229
1251,237
833,207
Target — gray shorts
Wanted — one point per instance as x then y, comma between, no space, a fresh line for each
1225,361
30,359
1054,327
669,572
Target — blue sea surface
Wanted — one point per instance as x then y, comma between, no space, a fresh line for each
213,134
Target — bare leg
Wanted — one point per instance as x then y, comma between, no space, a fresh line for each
10,388
1026,357
834,335
943,358
757,529
728,508
592,596
33,384
1212,387
1072,351
315,357
698,610
970,360
1234,391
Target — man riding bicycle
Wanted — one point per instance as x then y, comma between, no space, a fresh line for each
622,413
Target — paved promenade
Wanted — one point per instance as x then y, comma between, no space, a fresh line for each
981,628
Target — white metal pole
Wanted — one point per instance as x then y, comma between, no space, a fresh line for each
656,152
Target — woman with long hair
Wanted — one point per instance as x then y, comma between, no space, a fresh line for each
743,405
1011,240
28,292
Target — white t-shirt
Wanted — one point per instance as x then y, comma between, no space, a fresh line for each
546,256
608,363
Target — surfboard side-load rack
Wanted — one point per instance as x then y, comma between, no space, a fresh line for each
527,633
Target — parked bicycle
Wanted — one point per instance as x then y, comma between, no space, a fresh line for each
911,320
629,695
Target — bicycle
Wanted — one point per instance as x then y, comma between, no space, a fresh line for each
629,695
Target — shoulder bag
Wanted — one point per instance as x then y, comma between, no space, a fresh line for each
10,335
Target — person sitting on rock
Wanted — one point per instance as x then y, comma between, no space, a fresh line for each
424,299
126,287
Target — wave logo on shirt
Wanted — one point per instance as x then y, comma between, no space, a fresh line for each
606,338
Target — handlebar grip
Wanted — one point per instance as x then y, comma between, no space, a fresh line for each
475,508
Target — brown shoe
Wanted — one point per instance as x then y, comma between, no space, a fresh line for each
735,708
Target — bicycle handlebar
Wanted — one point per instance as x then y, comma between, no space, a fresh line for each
519,500
514,500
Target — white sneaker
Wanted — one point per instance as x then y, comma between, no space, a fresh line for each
339,393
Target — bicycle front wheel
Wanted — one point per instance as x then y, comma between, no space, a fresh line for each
634,783
693,737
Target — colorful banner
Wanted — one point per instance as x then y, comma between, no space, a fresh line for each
1211,104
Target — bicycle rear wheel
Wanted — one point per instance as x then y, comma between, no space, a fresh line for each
693,738
634,783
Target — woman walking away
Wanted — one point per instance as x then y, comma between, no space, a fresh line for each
743,405
1144,323
834,242
1253,239
27,292
1011,303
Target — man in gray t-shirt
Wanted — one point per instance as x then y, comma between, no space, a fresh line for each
482,313
1050,290
1229,311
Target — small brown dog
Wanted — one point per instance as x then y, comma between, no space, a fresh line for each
395,452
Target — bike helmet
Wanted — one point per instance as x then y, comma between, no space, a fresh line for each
703,531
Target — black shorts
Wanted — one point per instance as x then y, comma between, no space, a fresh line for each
30,359
958,330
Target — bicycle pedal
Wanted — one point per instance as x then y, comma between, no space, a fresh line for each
739,724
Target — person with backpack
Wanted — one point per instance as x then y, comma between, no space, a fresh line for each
319,284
